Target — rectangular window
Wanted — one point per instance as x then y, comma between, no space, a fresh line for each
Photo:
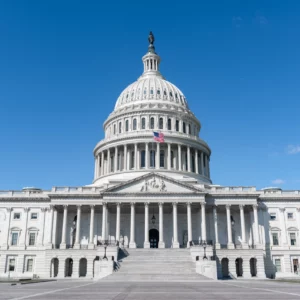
293,238
14,238
275,239
12,265
290,216
29,267
17,216
31,238
272,216
177,125
33,216
278,264
169,124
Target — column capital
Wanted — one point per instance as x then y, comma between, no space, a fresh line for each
92,206
9,209
202,204
255,206
160,203
282,209
174,203
26,209
132,203
215,206
44,209
242,206
118,203
52,207
188,203
104,203
228,206
65,206
146,203
78,206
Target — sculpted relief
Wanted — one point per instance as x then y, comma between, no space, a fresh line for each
154,185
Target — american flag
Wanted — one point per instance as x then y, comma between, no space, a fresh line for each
159,137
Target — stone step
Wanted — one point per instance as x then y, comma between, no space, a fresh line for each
155,277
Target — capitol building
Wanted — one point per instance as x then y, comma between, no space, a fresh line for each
152,210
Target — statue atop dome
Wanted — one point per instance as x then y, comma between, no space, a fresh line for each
151,40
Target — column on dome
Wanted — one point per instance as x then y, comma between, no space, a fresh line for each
102,163
96,167
215,215
147,155
161,243
202,163
125,158
132,243
230,245
206,166
179,158
175,243
116,159
196,162
138,158
157,156
188,159
135,156
92,221
189,223
169,156
146,241
108,161
64,228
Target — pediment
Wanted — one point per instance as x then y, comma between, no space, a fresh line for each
153,183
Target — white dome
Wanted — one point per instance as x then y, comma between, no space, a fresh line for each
152,88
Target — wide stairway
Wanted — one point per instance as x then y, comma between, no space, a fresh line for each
155,264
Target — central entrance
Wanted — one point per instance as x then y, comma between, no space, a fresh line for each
154,238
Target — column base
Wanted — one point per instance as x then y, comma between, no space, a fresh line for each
91,246
175,245
146,245
63,246
217,246
230,246
161,245
132,245
76,246
245,246
49,246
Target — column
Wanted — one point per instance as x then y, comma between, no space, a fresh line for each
189,159
146,155
125,158
157,156
64,228
215,213
102,163
203,222
196,162
242,215
96,167
23,238
77,237
54,229
49,244
229,229
42,232
92,221
169,157
104,207
282,227
256,233
161,243
9,210
146,242
175,243
189,224
118,221
108,161
132,243
179,158
116,159
202,164
206,166
135,156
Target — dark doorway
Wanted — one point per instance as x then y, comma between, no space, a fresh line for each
154,238
69,267
225,268
239,267
253,268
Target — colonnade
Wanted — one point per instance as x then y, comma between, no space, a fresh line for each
175,243
151,155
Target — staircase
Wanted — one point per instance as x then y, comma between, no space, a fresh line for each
155,264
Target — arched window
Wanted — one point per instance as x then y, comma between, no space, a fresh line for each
169,124
152,158
143,123
172,159
134,124
127,125
152,123
143,159
115,128
161,123
183,127
162,159
177,125
132,160
120,127
190,129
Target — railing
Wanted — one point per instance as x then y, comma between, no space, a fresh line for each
107,243
233,188
201,243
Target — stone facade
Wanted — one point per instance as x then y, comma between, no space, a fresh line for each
149,194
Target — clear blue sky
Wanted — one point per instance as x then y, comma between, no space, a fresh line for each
64,63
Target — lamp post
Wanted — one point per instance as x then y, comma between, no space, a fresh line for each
204,248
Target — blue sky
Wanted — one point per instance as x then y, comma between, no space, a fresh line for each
64,63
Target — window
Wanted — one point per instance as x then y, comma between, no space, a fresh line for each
143,123
14,238
33,216
169,124
115,128
29,267
275,239
134,124
143,159
293,238
127,125
12,265
272,216
152,123
190,129
177,125
152,158
120,127
278,264
161,123
183,127
31,238
17,216
290,216
162,159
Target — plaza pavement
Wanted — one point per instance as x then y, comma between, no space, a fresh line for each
90,290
